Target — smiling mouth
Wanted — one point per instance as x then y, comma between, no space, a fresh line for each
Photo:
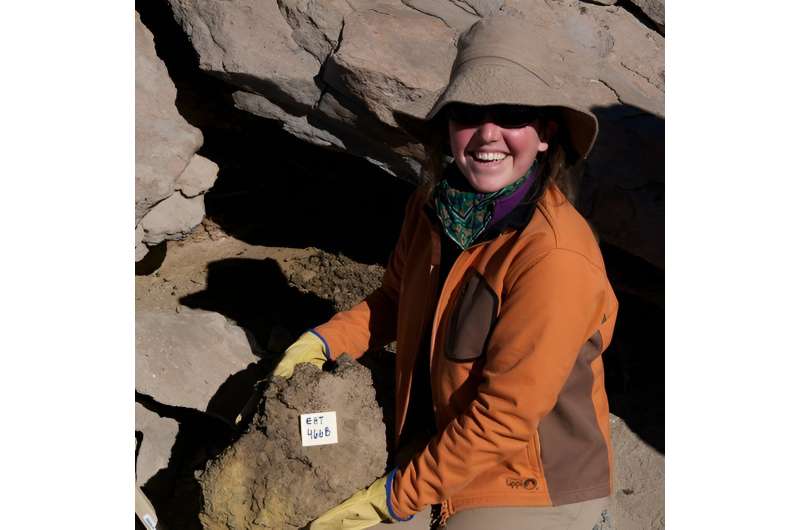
485,158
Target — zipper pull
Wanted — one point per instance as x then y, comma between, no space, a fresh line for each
439,515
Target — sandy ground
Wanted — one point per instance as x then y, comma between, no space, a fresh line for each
185,268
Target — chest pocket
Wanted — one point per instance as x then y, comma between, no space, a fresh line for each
472,320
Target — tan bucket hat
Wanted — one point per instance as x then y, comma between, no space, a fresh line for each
505,60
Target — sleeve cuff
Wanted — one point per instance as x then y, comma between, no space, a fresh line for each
327,351
394,516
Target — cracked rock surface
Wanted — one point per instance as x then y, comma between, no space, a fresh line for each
267,479
335,73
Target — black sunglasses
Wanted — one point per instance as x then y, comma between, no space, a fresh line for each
506,116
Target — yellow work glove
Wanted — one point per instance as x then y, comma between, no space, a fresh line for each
364,509
309,348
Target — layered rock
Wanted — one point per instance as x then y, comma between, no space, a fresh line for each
336,73
250,44
170,176
390,56
268,479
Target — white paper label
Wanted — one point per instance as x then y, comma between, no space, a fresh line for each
318,428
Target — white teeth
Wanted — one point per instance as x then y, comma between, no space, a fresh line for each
488,157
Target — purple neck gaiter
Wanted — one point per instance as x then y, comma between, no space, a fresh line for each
504,205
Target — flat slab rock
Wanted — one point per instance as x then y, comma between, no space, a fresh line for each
267,479
183,359
157,438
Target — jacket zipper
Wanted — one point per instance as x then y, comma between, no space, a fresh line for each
444,513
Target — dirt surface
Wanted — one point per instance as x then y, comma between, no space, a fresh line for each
336,278
638,500
275,293
184,271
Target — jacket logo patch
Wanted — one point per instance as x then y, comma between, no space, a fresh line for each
523,483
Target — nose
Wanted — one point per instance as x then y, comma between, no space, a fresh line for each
488,131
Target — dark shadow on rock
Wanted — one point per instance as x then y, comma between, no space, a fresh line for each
174,490
622,192
152,260
233,395
139,437
641,16
622,196
278,191
257,297
633,275
634,360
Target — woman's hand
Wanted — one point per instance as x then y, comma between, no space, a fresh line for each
309,348
363,509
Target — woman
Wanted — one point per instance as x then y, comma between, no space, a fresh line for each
498,299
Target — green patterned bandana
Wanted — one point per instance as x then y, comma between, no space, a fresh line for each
463,212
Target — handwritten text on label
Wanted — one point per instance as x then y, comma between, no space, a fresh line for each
318,428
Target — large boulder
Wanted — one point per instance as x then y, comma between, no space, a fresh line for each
166,163
268,479
250,44
336,74
390,56
194,359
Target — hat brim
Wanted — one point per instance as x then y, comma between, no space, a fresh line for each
495,81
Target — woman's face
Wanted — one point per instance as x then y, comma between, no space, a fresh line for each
494,146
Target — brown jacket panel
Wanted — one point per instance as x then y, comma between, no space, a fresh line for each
574,454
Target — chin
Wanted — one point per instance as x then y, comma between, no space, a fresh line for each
487,184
